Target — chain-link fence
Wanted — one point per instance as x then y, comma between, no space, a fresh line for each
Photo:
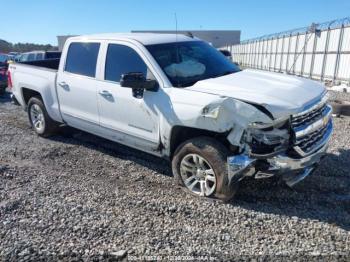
321,51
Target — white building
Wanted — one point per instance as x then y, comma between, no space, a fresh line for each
218,38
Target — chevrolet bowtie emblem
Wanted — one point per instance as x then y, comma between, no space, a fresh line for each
325,121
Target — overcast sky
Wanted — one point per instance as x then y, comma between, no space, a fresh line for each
40,21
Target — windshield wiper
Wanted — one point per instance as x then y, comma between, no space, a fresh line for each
223,74
189,83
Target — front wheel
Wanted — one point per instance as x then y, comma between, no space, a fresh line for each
39,119
200,165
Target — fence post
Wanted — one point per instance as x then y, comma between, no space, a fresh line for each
282,52
256,54
270,53
295,53
262,55
245,53
340,42
274,65
240,48
304,54
250,54
325,54
288,52
313,56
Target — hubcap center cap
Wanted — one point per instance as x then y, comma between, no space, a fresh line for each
200,173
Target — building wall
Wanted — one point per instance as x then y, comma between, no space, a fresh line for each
61,39
218,38
323,54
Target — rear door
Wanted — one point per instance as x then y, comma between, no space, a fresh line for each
127,119
76,86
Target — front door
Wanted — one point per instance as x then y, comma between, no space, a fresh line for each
127,119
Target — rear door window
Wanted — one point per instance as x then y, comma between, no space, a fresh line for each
82,58
121,60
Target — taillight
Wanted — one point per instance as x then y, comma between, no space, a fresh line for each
9,79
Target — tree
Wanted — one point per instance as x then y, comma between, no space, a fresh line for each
6,47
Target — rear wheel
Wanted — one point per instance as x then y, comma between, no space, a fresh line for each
200,165
39,119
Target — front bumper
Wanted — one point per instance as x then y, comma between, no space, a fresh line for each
291,169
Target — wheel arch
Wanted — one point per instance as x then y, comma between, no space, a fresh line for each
27,92
180,134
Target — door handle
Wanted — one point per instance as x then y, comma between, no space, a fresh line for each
105,93
63,84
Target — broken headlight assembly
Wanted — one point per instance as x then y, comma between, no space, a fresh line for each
267,139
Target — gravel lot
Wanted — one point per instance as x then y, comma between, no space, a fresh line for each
75,196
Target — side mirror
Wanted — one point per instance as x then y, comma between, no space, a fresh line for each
138,83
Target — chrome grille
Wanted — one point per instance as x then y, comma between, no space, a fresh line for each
308,142
309,117
312,129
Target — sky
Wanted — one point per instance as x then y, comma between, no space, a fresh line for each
40,21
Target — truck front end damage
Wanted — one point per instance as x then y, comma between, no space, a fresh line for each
290,147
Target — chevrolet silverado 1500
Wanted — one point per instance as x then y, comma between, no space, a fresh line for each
179,98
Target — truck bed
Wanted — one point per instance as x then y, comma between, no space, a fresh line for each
39,76
48,63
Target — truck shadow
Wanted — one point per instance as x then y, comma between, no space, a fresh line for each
323,196
77,137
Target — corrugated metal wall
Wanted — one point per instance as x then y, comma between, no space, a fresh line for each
319,52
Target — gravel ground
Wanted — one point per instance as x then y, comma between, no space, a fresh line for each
78,197
339,96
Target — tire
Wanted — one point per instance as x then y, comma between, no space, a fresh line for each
214,155
48,126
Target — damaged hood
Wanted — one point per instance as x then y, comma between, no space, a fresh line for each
281,94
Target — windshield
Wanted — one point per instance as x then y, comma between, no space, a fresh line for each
186,63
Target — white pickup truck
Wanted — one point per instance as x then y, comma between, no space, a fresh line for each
179,98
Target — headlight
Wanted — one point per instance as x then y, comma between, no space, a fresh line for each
274,124
260,125
266,137
270,137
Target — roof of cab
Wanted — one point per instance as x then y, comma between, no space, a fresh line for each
143,38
